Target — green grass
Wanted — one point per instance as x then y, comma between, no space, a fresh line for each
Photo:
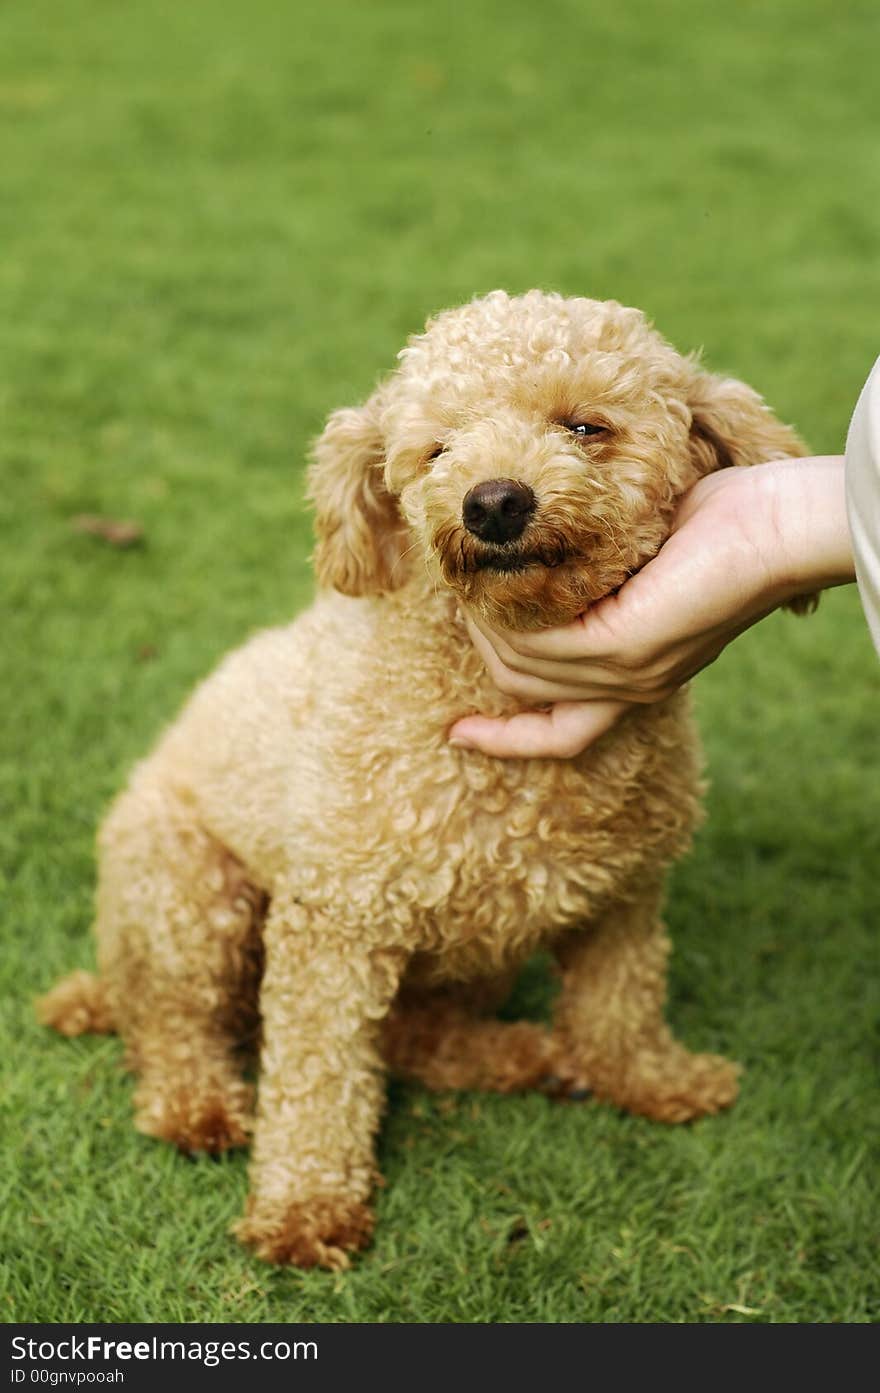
217,223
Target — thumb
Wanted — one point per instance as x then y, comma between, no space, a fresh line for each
559,733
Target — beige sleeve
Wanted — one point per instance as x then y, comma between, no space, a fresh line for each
863,497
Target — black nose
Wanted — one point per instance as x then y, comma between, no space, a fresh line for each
498,510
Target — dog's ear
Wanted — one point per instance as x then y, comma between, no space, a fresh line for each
731,425
360,533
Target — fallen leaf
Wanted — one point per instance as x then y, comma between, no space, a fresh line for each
117,531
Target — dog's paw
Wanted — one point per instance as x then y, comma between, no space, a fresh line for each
667,1085
564,1090
210,1120
694,1085
319,1232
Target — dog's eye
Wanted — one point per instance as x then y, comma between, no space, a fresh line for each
582,429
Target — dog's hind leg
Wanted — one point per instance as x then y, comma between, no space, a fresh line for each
77,1005
440,1038
612,1038
177,948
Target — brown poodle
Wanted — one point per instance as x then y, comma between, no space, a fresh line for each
305,850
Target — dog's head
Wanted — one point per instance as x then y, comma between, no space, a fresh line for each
532,451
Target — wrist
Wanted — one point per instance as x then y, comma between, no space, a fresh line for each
801,525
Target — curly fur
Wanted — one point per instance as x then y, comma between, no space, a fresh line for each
305,856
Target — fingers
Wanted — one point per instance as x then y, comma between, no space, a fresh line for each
617,642
533,680
545,647
536,682
560,733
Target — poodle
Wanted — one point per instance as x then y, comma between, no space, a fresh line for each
304,861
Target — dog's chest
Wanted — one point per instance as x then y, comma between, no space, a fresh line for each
373,820
459,852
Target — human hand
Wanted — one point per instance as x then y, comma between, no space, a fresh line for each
743,542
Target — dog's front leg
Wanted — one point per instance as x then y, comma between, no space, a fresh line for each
611,1035
321,1089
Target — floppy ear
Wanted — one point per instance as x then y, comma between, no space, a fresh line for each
731,425
360,533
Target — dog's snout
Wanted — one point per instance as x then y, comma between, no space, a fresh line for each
498,510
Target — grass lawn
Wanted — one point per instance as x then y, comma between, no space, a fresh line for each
219,222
